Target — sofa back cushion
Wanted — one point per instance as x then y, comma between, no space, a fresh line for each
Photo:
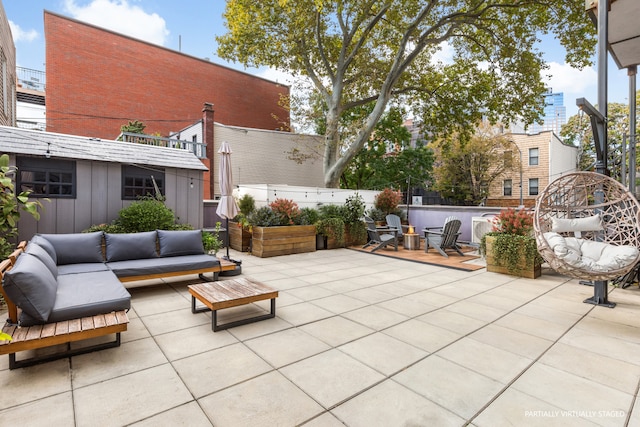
39,252
46,245
76,248
126,246
180,242
31,286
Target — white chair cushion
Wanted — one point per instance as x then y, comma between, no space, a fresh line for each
588,255
564,225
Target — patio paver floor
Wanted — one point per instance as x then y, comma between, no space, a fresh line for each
358,340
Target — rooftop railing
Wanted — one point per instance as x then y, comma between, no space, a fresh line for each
197,148
31,79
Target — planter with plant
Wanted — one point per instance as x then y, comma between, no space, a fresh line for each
240,229
274,230
355,228
511,248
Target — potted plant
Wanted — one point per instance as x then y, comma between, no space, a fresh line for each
510,247
240,229
211,240
355,228
274,230
330,226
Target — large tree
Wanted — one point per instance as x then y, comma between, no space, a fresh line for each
466,167
374,51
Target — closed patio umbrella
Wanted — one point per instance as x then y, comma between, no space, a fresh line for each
227,207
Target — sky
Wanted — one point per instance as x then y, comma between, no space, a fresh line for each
191,26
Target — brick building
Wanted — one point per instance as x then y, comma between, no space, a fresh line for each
97,80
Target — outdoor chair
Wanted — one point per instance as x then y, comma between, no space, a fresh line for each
380,237
446,238
393,221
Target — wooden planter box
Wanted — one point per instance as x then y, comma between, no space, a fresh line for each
239,238
525,269
274,241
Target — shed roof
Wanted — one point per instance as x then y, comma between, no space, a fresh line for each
31,142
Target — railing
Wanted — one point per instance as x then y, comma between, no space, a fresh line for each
31,79
197,148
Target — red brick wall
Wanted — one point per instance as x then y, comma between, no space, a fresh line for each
98,80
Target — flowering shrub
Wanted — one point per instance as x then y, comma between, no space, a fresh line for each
388,200
287,210
512,221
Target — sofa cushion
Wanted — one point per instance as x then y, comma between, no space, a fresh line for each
39,252
46,245
31,286
180,242
121,247
86,294
76,248
86,267
141,267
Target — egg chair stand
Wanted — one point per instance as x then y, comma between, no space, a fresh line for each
583,214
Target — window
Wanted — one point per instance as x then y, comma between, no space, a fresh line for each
533,186
138,182
533,157
47,177
507,187
194,138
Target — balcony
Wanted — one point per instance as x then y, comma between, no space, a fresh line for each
197,148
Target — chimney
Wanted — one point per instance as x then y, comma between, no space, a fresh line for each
207,138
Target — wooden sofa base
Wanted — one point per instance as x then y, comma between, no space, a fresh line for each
65,332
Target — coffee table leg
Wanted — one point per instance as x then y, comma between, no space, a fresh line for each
197,310
216,327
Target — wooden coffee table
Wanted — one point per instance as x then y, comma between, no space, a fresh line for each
231,293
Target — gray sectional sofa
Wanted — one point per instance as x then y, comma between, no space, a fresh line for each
70,276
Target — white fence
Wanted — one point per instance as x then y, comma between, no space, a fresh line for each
305,197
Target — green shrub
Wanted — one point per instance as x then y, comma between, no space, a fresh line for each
331,211
376,214
308,216
107,228
358,232
287,210
146,214
263,217
211,240
331,227
353,209
246,204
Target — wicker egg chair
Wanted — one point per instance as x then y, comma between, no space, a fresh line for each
583,195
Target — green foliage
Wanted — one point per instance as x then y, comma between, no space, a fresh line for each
11,206
211,240
353,209
468,166
508,250
331,227
380,53
146,214
133,127
376,214
513,239
331,211
577,131
263,217
387,201
106,228
308,216
246,204
388,157
358,232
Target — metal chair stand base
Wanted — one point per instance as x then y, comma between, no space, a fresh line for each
600,296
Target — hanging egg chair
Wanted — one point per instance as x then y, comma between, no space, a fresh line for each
587,226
